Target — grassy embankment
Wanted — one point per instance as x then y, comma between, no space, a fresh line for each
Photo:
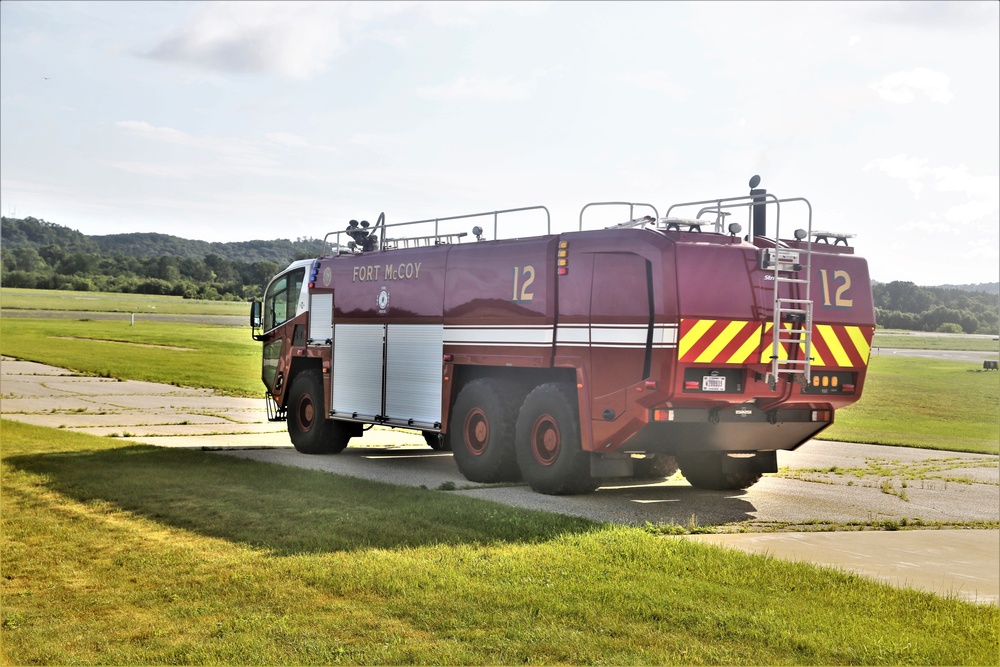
123,554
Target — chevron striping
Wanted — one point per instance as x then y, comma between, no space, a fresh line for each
829,336
720,342
749,346
693,335
860,344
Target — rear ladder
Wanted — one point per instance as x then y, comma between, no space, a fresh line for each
792,323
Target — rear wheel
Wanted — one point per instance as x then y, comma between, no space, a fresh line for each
311,432
481,432
548,443
705,470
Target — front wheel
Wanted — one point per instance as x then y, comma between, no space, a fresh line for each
547,440
311,432
708,470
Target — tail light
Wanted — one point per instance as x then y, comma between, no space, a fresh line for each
562,259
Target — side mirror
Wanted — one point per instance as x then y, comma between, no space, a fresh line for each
255,315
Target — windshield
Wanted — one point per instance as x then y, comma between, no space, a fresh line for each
281,298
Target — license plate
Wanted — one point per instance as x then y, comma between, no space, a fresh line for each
713,383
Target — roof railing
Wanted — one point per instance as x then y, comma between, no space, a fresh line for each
366,239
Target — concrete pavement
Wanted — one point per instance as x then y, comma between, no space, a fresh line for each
962,563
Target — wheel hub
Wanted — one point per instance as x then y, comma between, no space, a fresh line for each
477,432
545,440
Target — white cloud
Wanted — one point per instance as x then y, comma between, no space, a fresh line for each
292,39
982,192
657,81
173,171
920,226
219,156
903,87
221,146
911,170
502,89
300,39
369,140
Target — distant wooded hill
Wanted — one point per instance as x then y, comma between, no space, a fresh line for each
34,233
44,255
41,254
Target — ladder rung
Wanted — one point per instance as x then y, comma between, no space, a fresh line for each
791,280
783,299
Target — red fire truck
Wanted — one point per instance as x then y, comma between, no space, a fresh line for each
565,359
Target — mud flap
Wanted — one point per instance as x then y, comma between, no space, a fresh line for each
611,466
754,462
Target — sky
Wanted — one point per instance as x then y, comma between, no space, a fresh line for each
232,121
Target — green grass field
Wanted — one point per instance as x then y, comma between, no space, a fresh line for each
914,340
217,357
103,302
126,554
947,405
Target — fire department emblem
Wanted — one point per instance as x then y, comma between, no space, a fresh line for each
327,276
383,299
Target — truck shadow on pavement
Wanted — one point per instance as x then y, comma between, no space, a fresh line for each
623,501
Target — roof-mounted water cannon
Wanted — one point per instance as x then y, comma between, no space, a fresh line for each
363,239
759,196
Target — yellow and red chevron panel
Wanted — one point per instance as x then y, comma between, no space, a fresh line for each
840,345
707,341
703,341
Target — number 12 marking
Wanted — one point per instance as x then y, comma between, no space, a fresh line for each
839,298
523,276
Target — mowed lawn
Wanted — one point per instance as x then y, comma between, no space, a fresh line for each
935,404
107,302
115,553
224,358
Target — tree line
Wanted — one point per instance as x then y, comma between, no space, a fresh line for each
44,255
904,305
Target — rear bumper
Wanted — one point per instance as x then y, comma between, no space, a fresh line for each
746,429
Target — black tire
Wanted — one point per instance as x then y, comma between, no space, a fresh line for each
311,432
437,441
481,432
655,466
703,470
547,440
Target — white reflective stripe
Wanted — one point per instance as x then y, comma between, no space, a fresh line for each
568,335
624,335
514,336
665,335
573,334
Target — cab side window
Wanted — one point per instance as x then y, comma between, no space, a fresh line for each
281,299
